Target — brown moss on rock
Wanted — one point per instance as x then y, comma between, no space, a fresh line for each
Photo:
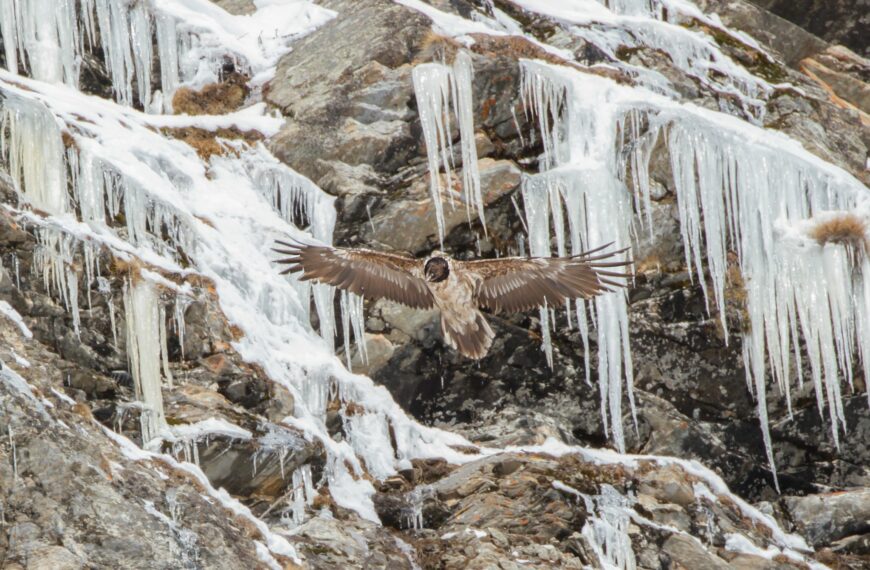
213,99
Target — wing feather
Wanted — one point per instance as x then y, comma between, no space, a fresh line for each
518,284
364,272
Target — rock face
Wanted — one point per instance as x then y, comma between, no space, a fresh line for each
73,495
839,22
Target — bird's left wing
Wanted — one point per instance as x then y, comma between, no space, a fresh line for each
368,273
519,284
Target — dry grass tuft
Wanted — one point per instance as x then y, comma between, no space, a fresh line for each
206,143
846,229
131,267
68,140
435,47
214,99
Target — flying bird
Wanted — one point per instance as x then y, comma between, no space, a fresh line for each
459,289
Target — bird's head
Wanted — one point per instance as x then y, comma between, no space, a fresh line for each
436,269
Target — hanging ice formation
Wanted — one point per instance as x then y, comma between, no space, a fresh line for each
738,188
606,529
578,177
49,40
144,350
438,89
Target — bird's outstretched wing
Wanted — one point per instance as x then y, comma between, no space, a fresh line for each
364,272
523,283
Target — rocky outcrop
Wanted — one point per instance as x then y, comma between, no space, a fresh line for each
71,498
839,22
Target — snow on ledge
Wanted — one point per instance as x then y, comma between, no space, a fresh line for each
11,314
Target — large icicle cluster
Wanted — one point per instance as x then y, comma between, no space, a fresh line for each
436,85
50,39
738,188
615,26
578,178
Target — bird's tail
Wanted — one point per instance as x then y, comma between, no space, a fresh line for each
471,337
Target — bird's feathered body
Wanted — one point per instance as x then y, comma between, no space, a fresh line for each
459,289
463,326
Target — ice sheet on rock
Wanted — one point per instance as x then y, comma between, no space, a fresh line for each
209,428
185,439
19,384
606,528
448,23
275,543
633,23
711,485
183,545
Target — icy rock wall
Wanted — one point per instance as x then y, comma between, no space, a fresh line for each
738,188
108,180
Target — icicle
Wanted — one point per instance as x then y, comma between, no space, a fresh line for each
303,495
140,41
54,260
114,35
463,108
141,306
413,516
436,84
34,153
357,323
345,326
606,529
164,350
167,50
17,267
41,35
431,86
536,201
579,171
14,454
181,304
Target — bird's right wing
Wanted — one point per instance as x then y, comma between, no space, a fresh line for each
367,273
519,284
